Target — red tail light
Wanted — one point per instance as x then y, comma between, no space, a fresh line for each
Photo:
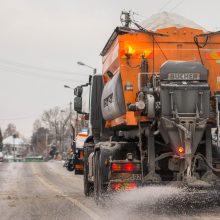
116,186
130,186
116,167
125,167
129,167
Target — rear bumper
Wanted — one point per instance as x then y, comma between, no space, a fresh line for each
79,166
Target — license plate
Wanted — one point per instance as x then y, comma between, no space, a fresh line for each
184,76
134,177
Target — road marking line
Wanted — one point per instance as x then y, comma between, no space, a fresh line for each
49,185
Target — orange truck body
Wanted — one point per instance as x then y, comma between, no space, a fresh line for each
177,45
80,138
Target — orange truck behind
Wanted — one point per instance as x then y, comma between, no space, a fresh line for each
79,155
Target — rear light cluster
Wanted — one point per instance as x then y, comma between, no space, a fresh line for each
123,186
126,167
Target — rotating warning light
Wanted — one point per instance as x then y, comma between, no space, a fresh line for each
130,50
147,53
180,150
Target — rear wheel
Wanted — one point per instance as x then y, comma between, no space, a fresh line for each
70,166
97,190
99,180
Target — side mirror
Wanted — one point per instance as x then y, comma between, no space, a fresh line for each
78,104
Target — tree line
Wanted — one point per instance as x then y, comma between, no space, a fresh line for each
53,131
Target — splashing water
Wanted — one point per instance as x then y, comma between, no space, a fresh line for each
162,202
137,203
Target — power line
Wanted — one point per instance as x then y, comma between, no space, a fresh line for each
19,118
165,5
37,75
25,74
66,106
138,14
177,5
36,68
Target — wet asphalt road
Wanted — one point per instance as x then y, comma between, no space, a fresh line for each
48,191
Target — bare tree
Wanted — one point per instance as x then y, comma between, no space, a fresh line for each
40,141
37,124
57,122
10,130
51,120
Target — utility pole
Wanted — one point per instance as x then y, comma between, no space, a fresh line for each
63,145
70,119
46,141
77,124
60,136
14,136
70,113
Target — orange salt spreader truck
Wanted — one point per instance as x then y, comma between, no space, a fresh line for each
154,111
76,153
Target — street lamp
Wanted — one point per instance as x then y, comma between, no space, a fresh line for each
83,64
90,79
68,87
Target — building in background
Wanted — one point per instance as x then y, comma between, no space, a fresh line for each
15,147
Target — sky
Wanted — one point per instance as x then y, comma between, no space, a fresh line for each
42,40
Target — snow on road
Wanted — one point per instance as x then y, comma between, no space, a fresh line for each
49,191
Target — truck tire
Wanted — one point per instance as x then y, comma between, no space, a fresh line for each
99,187
88,186
96,177
70,166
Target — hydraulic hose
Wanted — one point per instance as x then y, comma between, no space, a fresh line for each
163,156
202,157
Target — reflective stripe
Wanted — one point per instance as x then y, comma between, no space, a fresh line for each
213,56
218,83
